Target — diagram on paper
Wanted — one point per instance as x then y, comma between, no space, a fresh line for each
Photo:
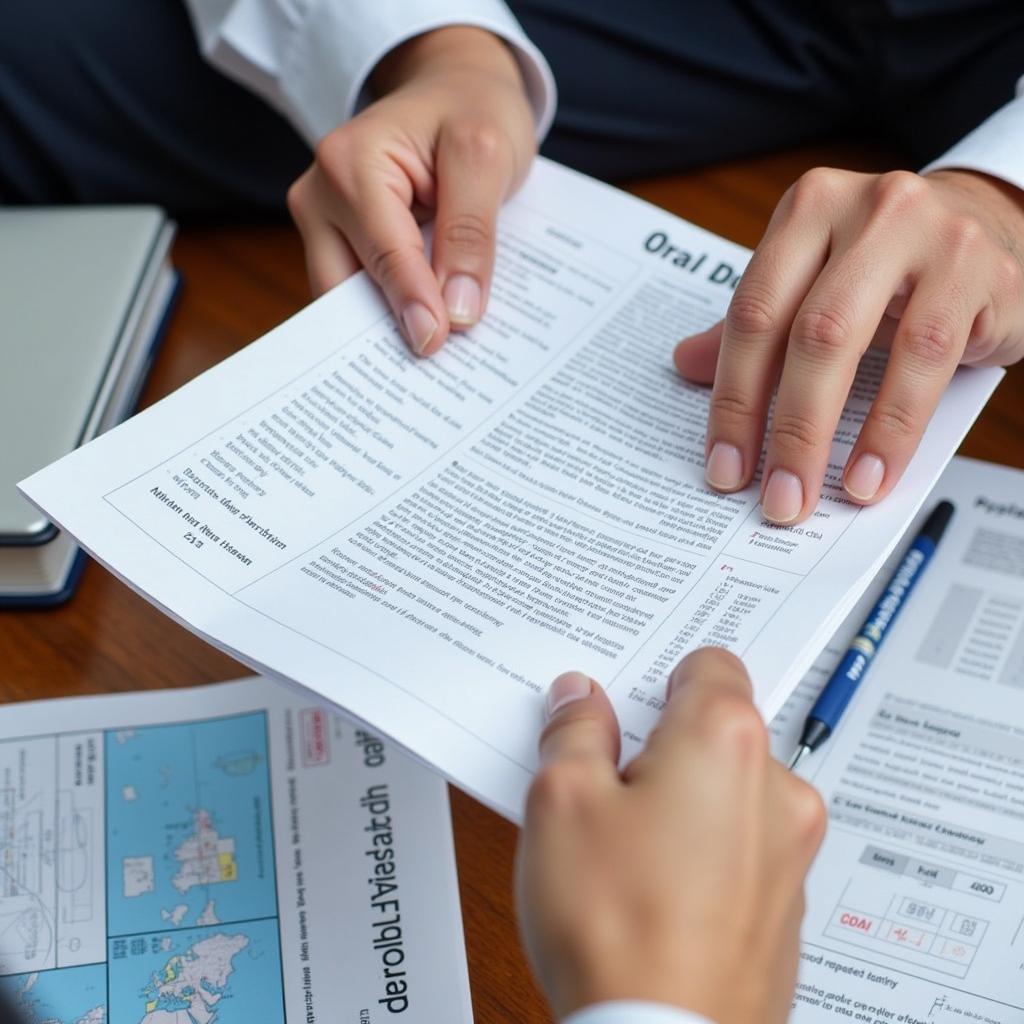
51,852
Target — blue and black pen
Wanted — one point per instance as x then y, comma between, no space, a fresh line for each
841,687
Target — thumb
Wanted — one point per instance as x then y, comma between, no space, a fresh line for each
474,171
697,356
581,724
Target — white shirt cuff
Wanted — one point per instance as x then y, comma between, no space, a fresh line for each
311,59
629,1012
995,147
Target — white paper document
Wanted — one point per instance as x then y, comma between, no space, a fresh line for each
427,543
915,905
227,854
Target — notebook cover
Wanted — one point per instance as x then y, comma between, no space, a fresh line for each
58,597
69,280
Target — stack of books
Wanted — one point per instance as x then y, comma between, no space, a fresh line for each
85,294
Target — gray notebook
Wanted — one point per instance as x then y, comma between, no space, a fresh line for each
83,291
71,279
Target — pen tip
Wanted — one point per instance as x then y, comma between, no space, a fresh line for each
935,525
798,756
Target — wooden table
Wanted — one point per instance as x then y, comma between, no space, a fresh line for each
240,282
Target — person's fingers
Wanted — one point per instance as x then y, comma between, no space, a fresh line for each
474,173
706,673
757,324
329,258
371,200
831,331
808,820
389,244
709,715
926,349
997,336
697,356
581,726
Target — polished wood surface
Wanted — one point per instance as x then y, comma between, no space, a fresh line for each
240,282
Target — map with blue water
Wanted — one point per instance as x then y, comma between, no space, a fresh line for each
72,995
189,837
228,975
183,819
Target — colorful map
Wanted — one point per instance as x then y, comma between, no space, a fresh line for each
197,976
191,897
194,844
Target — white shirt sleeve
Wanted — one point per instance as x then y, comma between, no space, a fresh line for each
629,1012
311,58
995,147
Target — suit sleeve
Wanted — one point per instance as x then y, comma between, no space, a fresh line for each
995,147
311,59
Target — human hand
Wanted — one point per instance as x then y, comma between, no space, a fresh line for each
680,879
937,260
453,136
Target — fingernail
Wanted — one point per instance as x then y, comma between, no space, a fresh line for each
420,325
463,299
783,497
724,468
569,686
864,477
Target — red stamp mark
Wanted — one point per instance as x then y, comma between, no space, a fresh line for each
316,744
